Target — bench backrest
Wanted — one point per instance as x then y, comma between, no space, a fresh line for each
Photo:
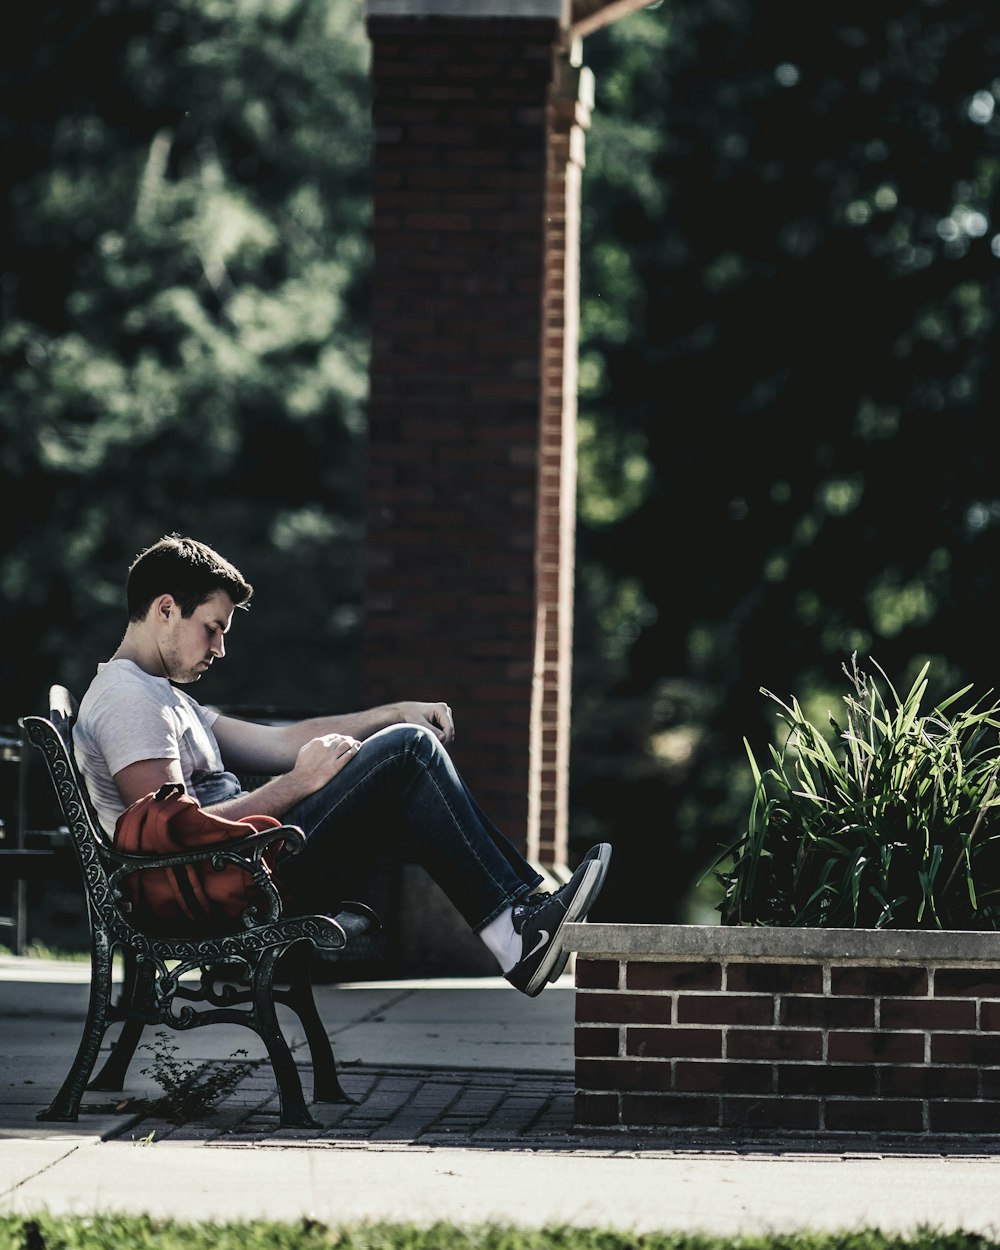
53,736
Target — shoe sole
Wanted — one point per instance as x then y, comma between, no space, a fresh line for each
604,859
580,904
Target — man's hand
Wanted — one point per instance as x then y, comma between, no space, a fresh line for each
322,758
436,717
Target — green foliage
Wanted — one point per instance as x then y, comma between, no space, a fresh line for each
41,950
789,274
190,1090
184,328
142,1232
892,821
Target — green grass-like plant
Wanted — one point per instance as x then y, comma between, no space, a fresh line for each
142,1232
890,821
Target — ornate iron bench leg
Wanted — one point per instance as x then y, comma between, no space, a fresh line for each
300,997
293,1110
66,1104
136,994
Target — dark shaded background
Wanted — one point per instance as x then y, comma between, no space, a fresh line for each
788,368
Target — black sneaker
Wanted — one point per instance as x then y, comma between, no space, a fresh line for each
601,852
540,919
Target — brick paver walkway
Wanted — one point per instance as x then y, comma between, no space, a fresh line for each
488,1109
416,1106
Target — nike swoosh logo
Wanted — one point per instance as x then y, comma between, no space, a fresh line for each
543,937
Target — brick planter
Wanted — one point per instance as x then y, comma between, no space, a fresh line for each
787,1030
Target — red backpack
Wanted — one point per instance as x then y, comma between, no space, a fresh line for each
190,898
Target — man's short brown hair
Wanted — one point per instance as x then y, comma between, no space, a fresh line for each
188,570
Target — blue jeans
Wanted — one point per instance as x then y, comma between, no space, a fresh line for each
402,792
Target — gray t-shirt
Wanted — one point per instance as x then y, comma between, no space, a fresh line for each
128,715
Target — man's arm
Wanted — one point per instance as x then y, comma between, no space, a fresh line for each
317,761
145,776
249,747
300,758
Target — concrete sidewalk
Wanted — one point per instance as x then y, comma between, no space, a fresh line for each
463,1111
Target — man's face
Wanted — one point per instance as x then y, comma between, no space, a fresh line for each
189,645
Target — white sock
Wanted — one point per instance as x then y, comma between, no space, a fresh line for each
501,940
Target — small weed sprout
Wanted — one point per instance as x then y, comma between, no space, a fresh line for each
191,1090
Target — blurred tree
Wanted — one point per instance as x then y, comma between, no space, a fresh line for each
183,345
789,371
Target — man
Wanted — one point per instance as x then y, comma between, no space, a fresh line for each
348,781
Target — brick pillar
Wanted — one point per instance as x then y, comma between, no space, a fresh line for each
569,109
471,447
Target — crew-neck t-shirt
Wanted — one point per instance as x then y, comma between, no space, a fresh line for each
128,715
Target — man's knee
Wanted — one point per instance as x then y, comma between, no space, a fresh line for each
403,740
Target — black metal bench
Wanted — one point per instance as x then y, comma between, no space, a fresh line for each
185,982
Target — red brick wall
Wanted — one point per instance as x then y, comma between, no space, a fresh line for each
453,596
901,1047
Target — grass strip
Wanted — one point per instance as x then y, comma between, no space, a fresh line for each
116,1232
